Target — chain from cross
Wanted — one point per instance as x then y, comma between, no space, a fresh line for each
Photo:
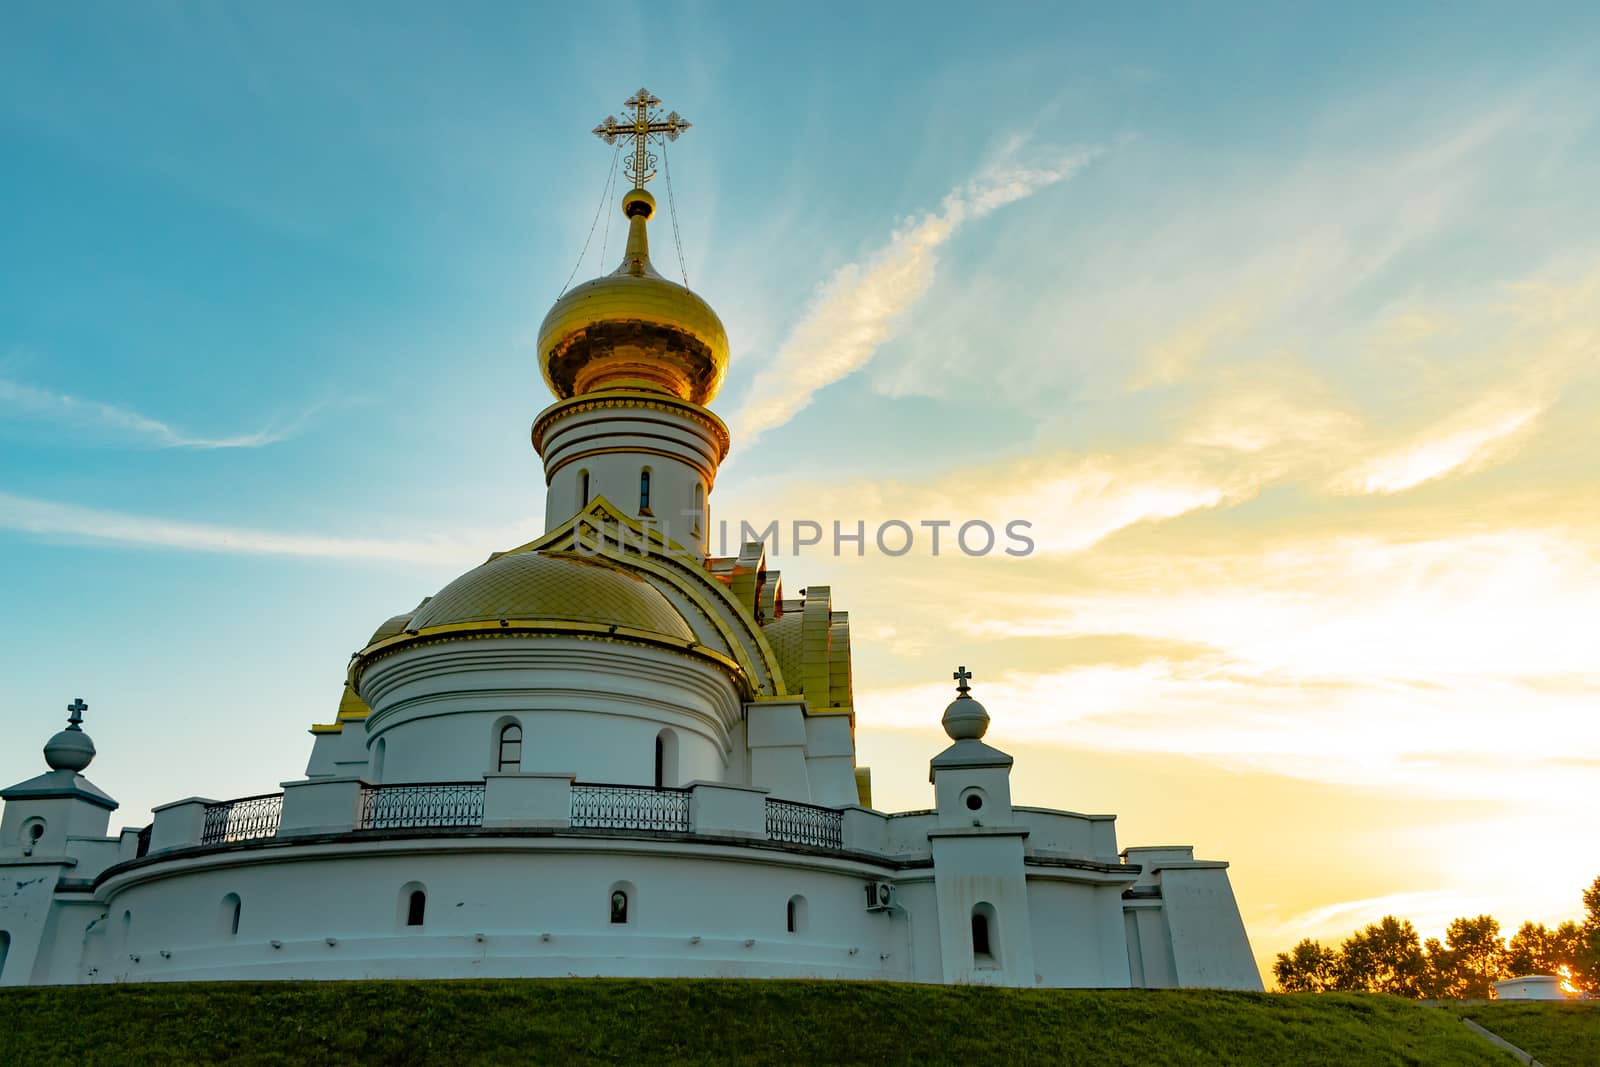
645,124
962,677
77,707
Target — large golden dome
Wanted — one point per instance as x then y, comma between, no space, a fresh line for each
531,586
634,329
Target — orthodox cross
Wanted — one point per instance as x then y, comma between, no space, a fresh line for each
646,122
962,677
77,707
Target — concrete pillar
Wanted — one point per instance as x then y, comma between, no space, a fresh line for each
527,798
179,824
777,741
728,810
320,806
864,830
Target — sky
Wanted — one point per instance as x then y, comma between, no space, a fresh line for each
1279,326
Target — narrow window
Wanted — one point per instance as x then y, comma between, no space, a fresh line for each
985,936
980,934
5,950
699,507
796,914
666,776
644,491
583,490
379,751
510,758
231,906
619,907
416,907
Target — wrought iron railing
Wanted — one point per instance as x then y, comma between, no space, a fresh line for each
244,819
804,824
630,807
405,807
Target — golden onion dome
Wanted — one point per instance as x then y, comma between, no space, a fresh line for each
531,586
634,329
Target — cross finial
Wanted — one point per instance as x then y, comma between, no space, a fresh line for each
77,707
645,122
962,677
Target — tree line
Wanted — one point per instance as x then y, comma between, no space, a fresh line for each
1388,957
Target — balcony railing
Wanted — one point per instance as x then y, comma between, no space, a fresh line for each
432,804
804,824
244,819
630,807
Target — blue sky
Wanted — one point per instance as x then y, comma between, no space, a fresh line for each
1261,313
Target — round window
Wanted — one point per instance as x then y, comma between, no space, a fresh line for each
974,801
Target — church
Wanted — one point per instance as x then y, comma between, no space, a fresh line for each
608,752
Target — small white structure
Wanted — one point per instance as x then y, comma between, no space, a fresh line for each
1530,987
605,752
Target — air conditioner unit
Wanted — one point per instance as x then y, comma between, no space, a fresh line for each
880,896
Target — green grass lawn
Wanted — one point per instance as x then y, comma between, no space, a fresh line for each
1556,1034
694,1021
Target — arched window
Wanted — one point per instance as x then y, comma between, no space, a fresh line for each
379,752
984,936
5,950
699,507
795,914
229,919
644,491
666,776
583,489
619,907
509,757
416,907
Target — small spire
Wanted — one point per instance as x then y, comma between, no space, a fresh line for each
965,719
71,749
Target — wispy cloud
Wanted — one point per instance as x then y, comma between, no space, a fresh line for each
859,307
1462,443
51,519
91,417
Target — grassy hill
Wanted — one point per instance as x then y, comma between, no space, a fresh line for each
660,1021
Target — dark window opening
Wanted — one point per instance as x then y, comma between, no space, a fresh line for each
980,935
619,907
974,802
583,489
661,763
791,916
416,907
644,491
510,758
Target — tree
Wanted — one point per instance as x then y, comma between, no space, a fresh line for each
1307,968
1472,959
1386,957
1537,949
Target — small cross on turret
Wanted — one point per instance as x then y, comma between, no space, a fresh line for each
962,677
75,720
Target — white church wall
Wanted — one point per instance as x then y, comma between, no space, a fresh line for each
588,708
1069,833
606,451
981,873
340,753
1078,936
26,888
776,732
691,911
830,759
1209,943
